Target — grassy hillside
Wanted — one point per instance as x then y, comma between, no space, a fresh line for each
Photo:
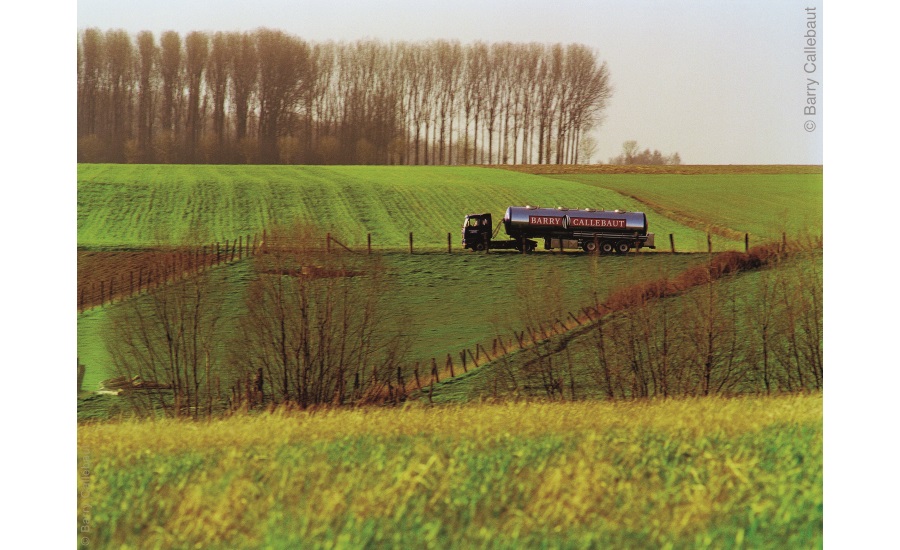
448,302
736,302
144,205
711,473
764,205
445,302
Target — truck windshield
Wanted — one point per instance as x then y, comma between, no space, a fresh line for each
473,222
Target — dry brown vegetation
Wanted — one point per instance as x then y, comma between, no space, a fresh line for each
108,275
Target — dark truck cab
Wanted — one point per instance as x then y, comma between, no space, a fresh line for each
479,228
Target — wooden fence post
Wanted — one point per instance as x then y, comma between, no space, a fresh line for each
708,243
240,245
449,244
483,349
502,345
746,242
416,372
450,364
369,243
328,243
410,242
672,242
474,361
462,356
434,372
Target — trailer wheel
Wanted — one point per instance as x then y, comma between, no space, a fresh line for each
622,247
606,247
590,247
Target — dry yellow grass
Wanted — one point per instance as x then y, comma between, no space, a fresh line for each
722,472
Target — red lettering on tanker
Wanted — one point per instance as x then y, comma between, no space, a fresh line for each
597,222
544,220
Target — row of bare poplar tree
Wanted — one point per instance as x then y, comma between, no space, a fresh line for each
269,97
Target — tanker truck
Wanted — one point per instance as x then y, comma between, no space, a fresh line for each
592,230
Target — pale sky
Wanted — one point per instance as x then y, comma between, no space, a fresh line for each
718,82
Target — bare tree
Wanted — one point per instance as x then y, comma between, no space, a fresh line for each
475,71
119,83
90,73
196,54
244,77
314,326
712,338
165,346
811,323
217,77
146,89
449,62
761,313
283,70
171,80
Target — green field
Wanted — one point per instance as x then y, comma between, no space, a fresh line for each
701,473
736,298
445,302
763,205
149,205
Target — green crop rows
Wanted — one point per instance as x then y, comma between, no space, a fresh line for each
763,205
148,205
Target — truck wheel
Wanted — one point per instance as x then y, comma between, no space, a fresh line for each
622,247
590,247
606,247
479,247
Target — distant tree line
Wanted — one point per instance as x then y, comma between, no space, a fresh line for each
269,97
632,154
